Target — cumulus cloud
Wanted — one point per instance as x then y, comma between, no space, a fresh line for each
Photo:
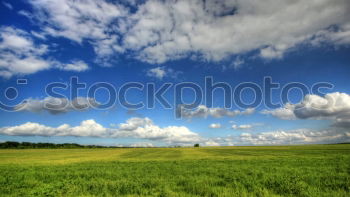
86,128
56,105
282,137
284,113
158,72
215,126
161,71
157,31
330,106
333,106
300,136
145,128
142,128
203,112
21,55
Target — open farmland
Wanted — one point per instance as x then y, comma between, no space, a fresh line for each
313,170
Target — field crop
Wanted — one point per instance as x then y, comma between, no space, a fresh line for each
312,170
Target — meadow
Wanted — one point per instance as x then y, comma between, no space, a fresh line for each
310,170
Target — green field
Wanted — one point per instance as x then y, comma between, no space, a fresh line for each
313,170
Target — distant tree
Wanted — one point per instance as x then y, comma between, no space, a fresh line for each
196,145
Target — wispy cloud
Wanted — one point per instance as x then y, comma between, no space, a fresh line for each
203,112
8,5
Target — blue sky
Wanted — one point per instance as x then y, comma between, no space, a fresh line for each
160,42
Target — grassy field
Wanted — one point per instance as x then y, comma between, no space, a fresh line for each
314,170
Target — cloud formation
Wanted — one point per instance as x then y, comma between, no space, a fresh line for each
300,136
333,106
203,112
21,55
242,127
161,72
93,21
56,105
283,137
284,113
142,128
157,31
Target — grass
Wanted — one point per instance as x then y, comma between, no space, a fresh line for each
313,170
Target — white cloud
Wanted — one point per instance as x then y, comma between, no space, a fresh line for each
284,113
300,136
93,21
78,20
242,127
158,72
141,144
203,112
161,72
86,128
145,128
56,105
333,106
272,52
77,66
215,126
211,143
159,31
283,137
20,55
38,35
142,128
238,63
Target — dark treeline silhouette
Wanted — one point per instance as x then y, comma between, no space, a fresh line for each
25,145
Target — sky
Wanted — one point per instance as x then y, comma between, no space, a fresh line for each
208,64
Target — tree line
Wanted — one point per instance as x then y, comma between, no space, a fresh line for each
26,145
